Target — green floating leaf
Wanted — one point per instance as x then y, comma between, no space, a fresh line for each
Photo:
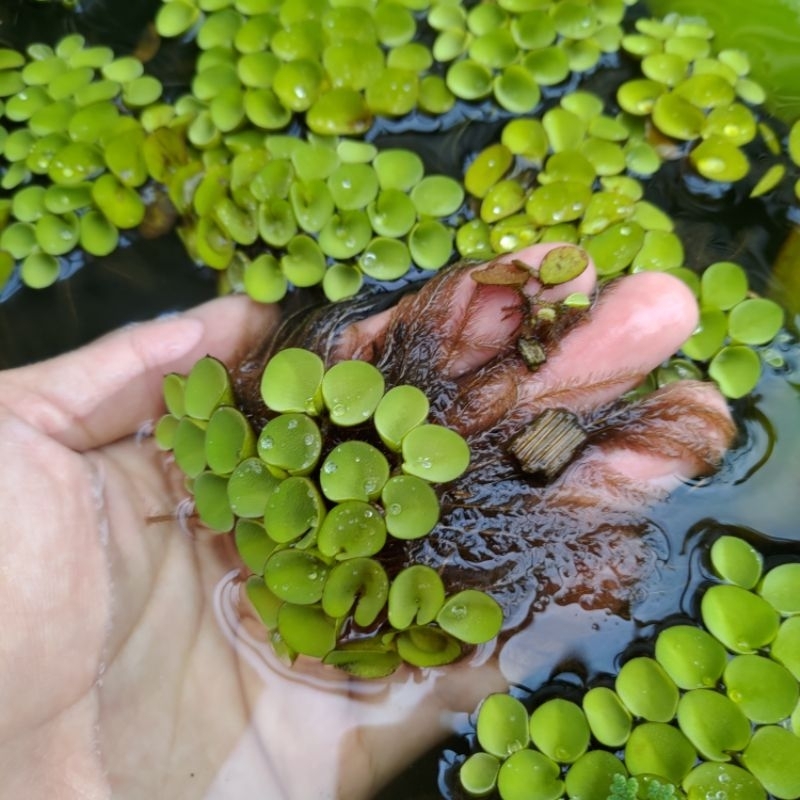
560,730
473,617
207,386
765,691
164,433
435,453
39,270
359,582
416,595
296,576
562,264
307,629
755,321
291,443
189,447
591,776
400,410
736,561
173,388
705,781
736,370
427,647
229,440
608,718
253,544
529,775
723,285
353,471
502,725
690,656
773,757
478,774
741,620
647,690
264,601
294,509
713,723
211,501
351,391
364,659
411,506
351,529
292,381
249,487
655,748
785,647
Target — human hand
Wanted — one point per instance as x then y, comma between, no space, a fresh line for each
116,677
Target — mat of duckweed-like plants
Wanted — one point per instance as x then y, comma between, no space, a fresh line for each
297,155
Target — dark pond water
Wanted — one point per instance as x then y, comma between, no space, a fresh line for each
755,494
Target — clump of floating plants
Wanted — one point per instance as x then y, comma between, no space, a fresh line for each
341,472
714,709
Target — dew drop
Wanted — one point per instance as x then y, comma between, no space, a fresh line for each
266,443
458,611
338,410
369,487
308,440
291,425
425,463
329,468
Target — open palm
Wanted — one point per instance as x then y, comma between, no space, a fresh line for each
116,678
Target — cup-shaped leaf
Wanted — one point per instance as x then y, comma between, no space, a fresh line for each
253,544
353,471
304,262
411,506
359,582
705,781
189,447
307,629
296,576
713,723
502,725
430,244
351,529
434,453
560,730
655,748
249,488
345,234
399,410
736,369
708,337
773,757
291,443
473,617
785,647
164,433
741,620
366,658
351,391
690,656
341,281
292,381
591,776
211,501
755,321
207,386
264,601
173,388
723,285
647,690
764,690
529,775
736,561
608,718
562,264
478,774
294,509
416,595
229,440
781,588
427,647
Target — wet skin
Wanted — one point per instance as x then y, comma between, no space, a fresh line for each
116,678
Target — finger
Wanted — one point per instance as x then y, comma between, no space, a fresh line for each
106,390
473,322
637,323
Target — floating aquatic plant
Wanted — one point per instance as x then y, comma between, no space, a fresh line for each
312,517
703,713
